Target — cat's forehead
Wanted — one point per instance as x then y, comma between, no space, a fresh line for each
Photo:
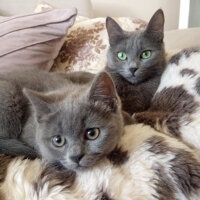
139,39
133,41
82,113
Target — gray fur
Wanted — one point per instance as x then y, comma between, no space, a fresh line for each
145,80
14,107
54,105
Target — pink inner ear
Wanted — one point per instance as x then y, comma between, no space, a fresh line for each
156,28
44,118
103,90
156,23
108,86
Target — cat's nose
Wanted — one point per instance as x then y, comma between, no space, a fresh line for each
133,70
77,158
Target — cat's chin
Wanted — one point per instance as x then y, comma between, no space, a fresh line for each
134,80
75,167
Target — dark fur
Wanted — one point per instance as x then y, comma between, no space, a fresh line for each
136,90
168,106
185,168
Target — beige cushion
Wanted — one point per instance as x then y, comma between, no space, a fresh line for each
33,40
86,44
180,39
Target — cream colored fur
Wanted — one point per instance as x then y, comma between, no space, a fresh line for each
134,180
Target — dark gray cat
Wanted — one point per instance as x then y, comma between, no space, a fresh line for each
136,61
57,119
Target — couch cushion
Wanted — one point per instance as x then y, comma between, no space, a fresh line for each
33,40
182,38
86,44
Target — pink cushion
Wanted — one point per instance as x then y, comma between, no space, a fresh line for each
33,40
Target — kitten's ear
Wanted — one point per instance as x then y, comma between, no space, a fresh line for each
41,103
103,90
115,32
155,26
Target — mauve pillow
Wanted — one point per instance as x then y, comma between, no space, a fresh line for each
33,40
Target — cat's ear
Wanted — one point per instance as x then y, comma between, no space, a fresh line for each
155,26
115,32
41,103
103,90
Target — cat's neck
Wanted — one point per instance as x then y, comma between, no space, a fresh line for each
134,97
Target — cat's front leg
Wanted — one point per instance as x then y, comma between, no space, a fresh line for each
147,118
15,147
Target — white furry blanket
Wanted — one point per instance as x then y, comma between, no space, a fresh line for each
147,164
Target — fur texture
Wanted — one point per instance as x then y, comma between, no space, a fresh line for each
158,167
56,123
146,164
175,106
136,78
15,110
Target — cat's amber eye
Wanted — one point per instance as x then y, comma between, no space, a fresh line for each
58,141
92,133
145,54
122,55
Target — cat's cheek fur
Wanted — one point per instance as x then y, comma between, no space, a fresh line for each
121,67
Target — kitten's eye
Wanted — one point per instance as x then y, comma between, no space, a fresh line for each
122,55
145,54
92,133
58,141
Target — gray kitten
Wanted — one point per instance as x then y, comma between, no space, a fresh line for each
66,122
135,61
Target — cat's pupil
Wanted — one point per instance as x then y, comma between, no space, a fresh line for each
58,141
122,55
92,133
145,54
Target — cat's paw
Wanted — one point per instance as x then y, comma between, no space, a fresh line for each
134,118
147,118
127,118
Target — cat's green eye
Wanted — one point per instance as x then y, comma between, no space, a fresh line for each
58,141
92,133
122,55
145,54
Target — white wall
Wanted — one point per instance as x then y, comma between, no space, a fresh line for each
143,9
194,14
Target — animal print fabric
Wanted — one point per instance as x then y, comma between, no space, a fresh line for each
147,164
157,167
175,107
